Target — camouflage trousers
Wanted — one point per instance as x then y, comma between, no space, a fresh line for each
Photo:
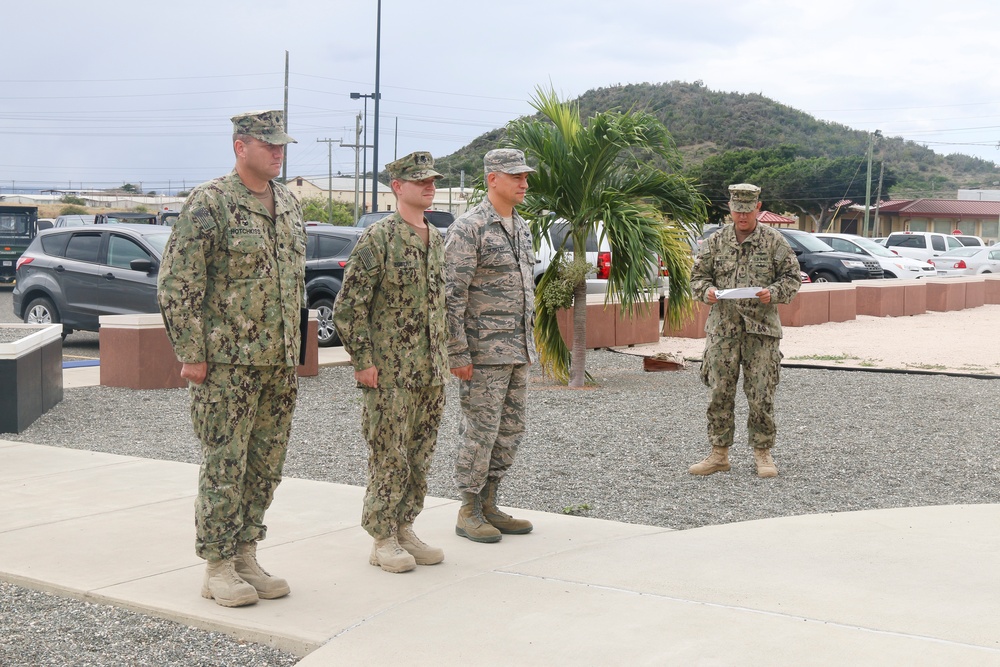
401,427
760,359
243,417
492,423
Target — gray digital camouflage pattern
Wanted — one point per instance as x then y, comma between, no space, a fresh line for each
491,313
744,332
491,289
390,314
266,126
492,424
231,286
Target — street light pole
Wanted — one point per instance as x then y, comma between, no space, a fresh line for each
378,44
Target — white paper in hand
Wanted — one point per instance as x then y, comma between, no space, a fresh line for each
738,293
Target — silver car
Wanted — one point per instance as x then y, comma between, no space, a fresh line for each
971,261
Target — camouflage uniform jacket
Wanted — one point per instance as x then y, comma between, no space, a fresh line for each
491,289
390,312
232,282
764,259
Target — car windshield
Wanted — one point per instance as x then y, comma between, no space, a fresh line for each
874,248
811,243
963,252
158,241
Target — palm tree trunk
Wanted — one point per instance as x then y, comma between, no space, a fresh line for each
578,363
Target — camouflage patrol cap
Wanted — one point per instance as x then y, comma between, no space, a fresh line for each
416,166
743,197
506,161
266,126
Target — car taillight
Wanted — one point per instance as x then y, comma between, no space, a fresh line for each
342,263
21,261
603,265
960,264
664,272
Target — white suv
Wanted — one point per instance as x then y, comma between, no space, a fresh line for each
893,265
921,245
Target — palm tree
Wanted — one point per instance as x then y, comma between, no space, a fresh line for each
600,178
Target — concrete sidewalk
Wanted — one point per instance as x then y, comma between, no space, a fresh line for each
891,587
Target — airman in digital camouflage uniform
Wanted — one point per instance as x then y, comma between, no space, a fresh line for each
743,332
390,315
231,289
491,306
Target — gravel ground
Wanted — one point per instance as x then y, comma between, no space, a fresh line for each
847,441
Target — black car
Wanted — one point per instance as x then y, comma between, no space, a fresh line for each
823,264
440,219
73,275
327,250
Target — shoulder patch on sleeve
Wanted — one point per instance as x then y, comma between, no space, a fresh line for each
367,258
204,219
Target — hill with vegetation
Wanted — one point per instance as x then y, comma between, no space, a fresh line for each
727,130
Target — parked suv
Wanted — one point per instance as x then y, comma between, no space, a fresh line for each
921,245
126,217
327,250
74,275
825,265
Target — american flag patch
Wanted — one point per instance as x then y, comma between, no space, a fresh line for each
367,258
204,219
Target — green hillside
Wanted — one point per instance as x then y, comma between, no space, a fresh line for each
707,123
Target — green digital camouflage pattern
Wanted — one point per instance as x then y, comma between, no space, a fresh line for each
490,289
764,259
390,312
242,415
232,281
760,360
400,426
266,126
492,423
744,333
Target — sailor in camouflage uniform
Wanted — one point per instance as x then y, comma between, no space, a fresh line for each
743,332
491,344
231,289
390,315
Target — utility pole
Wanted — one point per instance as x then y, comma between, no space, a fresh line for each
329,184
878,199
357,154
284,163
868,179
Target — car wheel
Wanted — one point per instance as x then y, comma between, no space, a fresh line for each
327,333
824,277
41,311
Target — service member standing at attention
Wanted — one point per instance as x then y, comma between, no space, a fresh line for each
231,289
491,304
743,332
390,314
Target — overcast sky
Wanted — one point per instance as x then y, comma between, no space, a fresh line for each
99,93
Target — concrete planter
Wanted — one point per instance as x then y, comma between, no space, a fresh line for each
30,373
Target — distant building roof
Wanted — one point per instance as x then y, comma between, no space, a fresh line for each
774,219
942,208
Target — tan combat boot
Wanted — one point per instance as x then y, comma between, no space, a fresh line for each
388,555
250,571
502,521
222,584
422,553
765,464
717,461
471,523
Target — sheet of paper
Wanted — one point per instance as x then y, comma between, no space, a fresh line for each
738,293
